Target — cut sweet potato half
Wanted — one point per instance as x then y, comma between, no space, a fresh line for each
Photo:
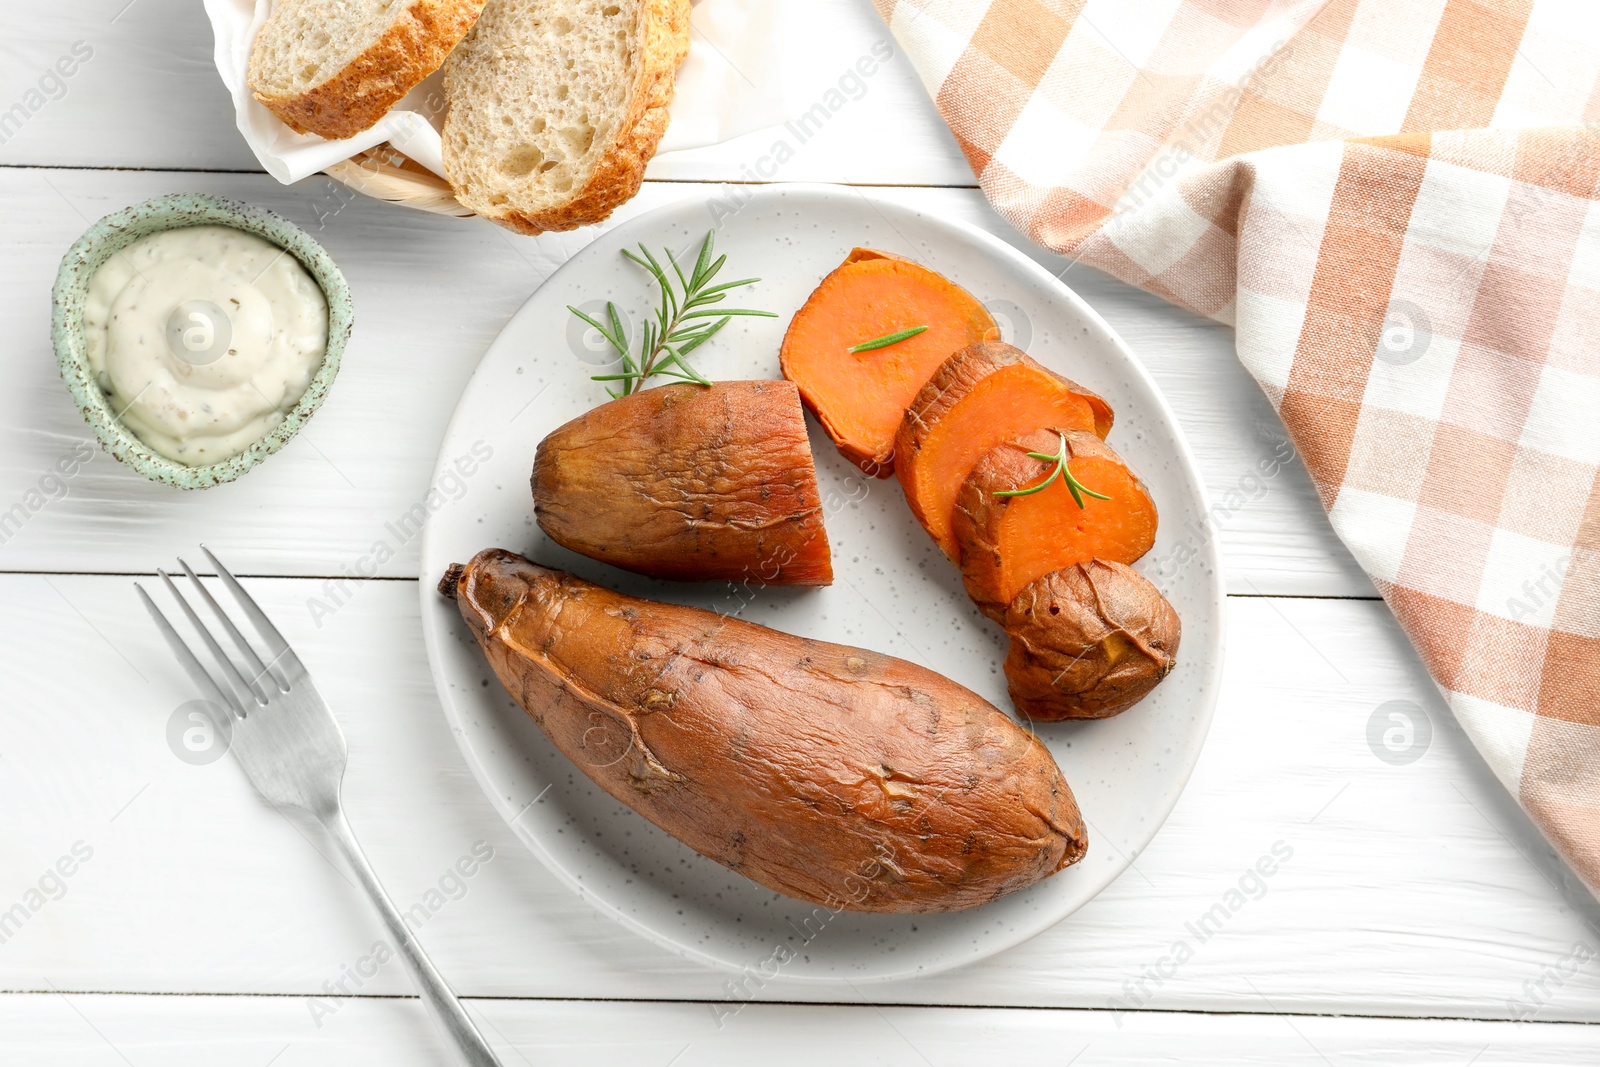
1088,642
1008,541
984,395
860,397
689,482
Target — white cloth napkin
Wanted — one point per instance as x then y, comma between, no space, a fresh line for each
734,81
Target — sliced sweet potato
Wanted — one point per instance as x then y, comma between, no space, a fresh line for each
984,395
689,482
1008,541
1088,642
860,397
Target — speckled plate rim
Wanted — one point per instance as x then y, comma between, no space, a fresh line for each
176,211
1206,674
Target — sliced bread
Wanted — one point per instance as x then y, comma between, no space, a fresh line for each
557,105
335,67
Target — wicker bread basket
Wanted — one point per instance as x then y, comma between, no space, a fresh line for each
385,173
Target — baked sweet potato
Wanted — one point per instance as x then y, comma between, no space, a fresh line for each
860,397
824,772
1008,541
1088,641
689,482
984,395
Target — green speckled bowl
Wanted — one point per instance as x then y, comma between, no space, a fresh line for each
120,229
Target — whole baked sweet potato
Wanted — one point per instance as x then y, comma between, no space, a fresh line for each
689,482
1088,641
829,773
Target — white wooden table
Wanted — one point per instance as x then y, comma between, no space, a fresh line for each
1420,920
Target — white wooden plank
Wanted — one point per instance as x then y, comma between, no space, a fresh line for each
1414,890
148,95
430,294
69,1030
144,93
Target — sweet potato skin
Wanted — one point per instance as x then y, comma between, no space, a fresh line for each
1088,642
859,398
957,379
689,482
991,575
824,772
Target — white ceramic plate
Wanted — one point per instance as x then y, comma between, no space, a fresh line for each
894,592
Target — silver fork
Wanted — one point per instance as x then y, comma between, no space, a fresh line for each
291,748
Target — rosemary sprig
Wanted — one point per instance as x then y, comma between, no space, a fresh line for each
887,339
1059,470
679,325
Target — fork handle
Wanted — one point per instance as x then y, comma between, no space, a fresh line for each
436,992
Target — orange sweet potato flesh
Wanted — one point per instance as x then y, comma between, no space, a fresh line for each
984,395
689,482
823,772
860,397
1088,642
1007,542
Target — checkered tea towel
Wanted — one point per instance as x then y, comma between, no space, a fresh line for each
1394,202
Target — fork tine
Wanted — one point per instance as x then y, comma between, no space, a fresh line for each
191,666
262,671
281,652
240,684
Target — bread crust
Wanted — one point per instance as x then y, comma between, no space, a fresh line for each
366,88
619,172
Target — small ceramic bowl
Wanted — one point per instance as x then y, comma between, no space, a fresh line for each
121,228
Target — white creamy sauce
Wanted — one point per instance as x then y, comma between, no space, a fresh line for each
203,338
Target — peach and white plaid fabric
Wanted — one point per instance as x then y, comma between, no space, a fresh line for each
1396,203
